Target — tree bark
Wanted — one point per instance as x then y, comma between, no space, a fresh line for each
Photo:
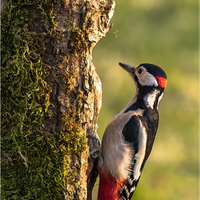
51,97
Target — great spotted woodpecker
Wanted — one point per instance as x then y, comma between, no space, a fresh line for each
128,139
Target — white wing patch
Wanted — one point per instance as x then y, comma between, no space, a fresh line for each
141,151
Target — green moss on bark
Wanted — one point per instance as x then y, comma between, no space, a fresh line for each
35,163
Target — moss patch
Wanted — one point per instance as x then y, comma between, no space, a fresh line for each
35,164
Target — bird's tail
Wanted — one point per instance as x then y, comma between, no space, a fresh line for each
127,191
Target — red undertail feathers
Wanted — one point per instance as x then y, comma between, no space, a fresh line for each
108,187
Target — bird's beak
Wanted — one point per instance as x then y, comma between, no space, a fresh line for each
130,69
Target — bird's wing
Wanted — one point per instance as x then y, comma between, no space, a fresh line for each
131,132
135,134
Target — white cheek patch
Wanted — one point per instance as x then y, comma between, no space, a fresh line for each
147,79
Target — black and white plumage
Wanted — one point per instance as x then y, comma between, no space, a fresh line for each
128,139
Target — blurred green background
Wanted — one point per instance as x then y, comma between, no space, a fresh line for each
162,32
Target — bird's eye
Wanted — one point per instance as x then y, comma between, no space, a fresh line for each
140,71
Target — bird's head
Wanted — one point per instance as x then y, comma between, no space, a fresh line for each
150,81
147,75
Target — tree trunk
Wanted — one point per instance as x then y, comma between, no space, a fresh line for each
51,97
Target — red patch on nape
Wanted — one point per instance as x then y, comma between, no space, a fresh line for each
162,82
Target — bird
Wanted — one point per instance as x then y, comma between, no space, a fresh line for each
128,139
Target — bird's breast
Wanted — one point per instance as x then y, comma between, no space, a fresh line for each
116,152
